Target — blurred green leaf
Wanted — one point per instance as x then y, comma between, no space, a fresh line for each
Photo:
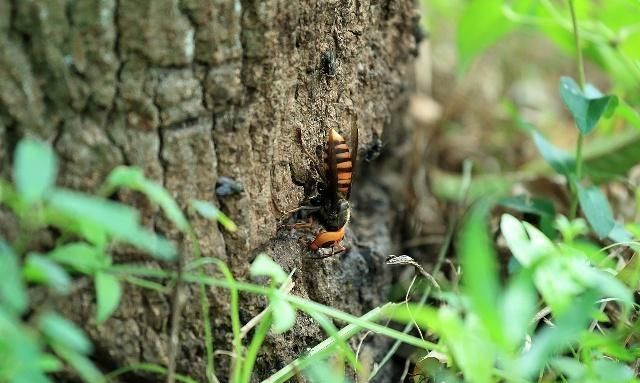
611,157
80,257
541,207
480,269
133,178
612,372
210,211
323,372
263,265
519,304
20,352
34,169
81,364
49,363
108,294
571,229
586,107
596,208
482,23
40,269
603,282
63,332
569,367
72,224
284,315
120,221
559,160
13,293
527,250
553,340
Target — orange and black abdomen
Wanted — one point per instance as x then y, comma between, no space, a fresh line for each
343,160
327,239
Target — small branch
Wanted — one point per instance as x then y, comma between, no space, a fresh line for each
285,288
176,308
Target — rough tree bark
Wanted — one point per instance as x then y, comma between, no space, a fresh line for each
192,90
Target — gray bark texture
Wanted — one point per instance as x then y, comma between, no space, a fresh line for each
191,90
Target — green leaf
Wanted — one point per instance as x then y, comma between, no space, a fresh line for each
586,107
81,257
284,315
40,269
81,364
120,221
519,304
482,24
50,363
480,269
133,178
263,265
569,367
34,169
596,208
210,211
541,207
63,332
323,372
559,160
108,294
610,157
612,372
552,340
13,293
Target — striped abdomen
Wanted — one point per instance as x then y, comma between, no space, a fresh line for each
327,239
343,162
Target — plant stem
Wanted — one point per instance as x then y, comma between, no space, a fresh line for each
581,82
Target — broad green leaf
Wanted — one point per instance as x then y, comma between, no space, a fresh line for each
480,269
612,372
71,224
519,304
81,364
40,269
34,169
481,25
472,349
586,106
50,363
610,157
541,207
526,249
324,372
81,257
596,208
13,293
560,161
603,282
263,265
612,344
284,315
210,211
63,332
119,220
569,367
133,178
20,352
553,340
108,293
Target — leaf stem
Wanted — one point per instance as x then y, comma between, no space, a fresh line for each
576,35
581,82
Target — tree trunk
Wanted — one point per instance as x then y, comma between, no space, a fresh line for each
193,90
